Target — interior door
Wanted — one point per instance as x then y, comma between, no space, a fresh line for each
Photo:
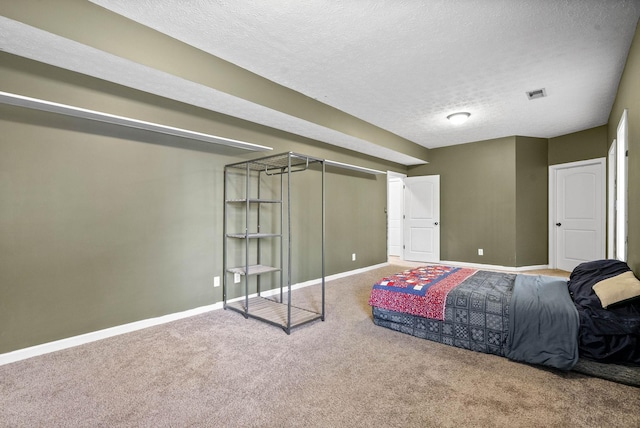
394,216
422,218
579,219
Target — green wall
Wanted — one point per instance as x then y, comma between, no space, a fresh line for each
494,197
628,97
578,146
477,200
102,225
532,177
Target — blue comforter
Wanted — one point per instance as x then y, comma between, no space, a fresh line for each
543,323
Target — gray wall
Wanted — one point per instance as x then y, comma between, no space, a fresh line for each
102,225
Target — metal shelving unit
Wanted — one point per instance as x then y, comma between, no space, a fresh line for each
276,171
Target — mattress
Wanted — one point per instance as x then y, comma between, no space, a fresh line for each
476,315
524,318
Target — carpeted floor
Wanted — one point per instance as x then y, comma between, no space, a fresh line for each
221,370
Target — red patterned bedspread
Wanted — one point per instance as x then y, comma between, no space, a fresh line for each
421,291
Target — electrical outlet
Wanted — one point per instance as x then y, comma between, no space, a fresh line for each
236,278
480,251
353,257
216,281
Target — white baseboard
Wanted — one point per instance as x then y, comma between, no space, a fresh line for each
58,345
494,267
69,342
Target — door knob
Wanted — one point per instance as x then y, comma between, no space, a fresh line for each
558,224
436,223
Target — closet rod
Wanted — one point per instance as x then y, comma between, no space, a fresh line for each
50,106
353,167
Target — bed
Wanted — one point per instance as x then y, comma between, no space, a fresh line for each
529,318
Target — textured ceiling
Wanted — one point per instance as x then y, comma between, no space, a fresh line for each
404,65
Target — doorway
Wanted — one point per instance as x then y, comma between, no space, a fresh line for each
395,209
576,213
395,204
422,218
413,217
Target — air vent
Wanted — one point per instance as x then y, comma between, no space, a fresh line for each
538,93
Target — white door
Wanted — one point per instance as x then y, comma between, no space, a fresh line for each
395,204
422,218
578,223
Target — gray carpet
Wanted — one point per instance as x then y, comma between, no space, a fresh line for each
221,370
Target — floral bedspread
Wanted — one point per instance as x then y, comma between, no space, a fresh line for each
421,291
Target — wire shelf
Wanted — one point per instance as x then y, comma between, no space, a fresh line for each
278,162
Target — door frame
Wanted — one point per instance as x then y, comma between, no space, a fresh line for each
393,175
611,200
553,170
622,190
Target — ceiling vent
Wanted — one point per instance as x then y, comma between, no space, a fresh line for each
538,93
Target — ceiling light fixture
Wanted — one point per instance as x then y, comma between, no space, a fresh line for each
459,118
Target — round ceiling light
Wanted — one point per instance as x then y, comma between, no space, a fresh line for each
459,118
